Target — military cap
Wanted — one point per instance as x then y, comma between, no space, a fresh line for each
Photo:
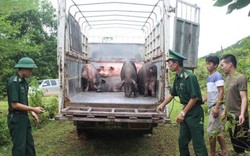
25,62
175,56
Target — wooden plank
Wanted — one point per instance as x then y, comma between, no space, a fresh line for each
114,113
118,120
161,121
101,113
66,109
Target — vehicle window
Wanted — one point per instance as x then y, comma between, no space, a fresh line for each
40,82
46,83
53,82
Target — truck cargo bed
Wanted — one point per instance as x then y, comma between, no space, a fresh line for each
111,98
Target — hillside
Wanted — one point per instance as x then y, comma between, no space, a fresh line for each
240,49
242,45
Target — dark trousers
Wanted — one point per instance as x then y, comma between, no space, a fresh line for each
20,131
193,129
240,144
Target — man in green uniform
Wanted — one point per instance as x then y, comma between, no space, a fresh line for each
18,120
191,118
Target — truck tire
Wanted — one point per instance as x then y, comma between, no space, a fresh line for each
79,132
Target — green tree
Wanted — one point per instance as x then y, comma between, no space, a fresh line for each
27,32
8,29
232,5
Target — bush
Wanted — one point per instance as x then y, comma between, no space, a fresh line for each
51,107
35,95
4,131
36,99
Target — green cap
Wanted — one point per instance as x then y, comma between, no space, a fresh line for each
25,62
175,56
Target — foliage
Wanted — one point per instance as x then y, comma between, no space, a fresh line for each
231,122
202,73
9,6
4,132
241,50
35,95
9,42
51,107
27,32
36,99
232,5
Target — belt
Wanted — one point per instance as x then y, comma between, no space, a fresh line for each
212,106
215,104
18,112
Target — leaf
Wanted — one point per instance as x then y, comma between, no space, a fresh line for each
242,3
242,133
220,3
231,7
237,5
231,122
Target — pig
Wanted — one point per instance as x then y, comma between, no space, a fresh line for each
111,84
147,76
91,80
106,73
129,78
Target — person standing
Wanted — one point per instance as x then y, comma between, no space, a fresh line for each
191,118
214,98
236,104
18,120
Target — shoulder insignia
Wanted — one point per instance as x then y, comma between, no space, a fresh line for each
15,78
185,75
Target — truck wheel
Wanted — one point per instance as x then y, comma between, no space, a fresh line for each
148,131
85,133
79,132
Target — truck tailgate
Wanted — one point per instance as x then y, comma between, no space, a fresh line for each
112,107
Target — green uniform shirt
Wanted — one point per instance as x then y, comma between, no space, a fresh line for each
186,86
17,90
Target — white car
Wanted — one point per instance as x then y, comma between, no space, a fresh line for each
49,86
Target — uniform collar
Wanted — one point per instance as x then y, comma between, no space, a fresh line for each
19,77
181,75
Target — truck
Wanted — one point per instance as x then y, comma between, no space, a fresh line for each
107,33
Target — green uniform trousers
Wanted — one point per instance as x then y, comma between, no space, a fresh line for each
20,131
193,129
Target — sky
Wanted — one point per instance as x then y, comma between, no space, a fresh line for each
218,29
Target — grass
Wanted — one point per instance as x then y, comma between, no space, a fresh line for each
59,138
3,105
